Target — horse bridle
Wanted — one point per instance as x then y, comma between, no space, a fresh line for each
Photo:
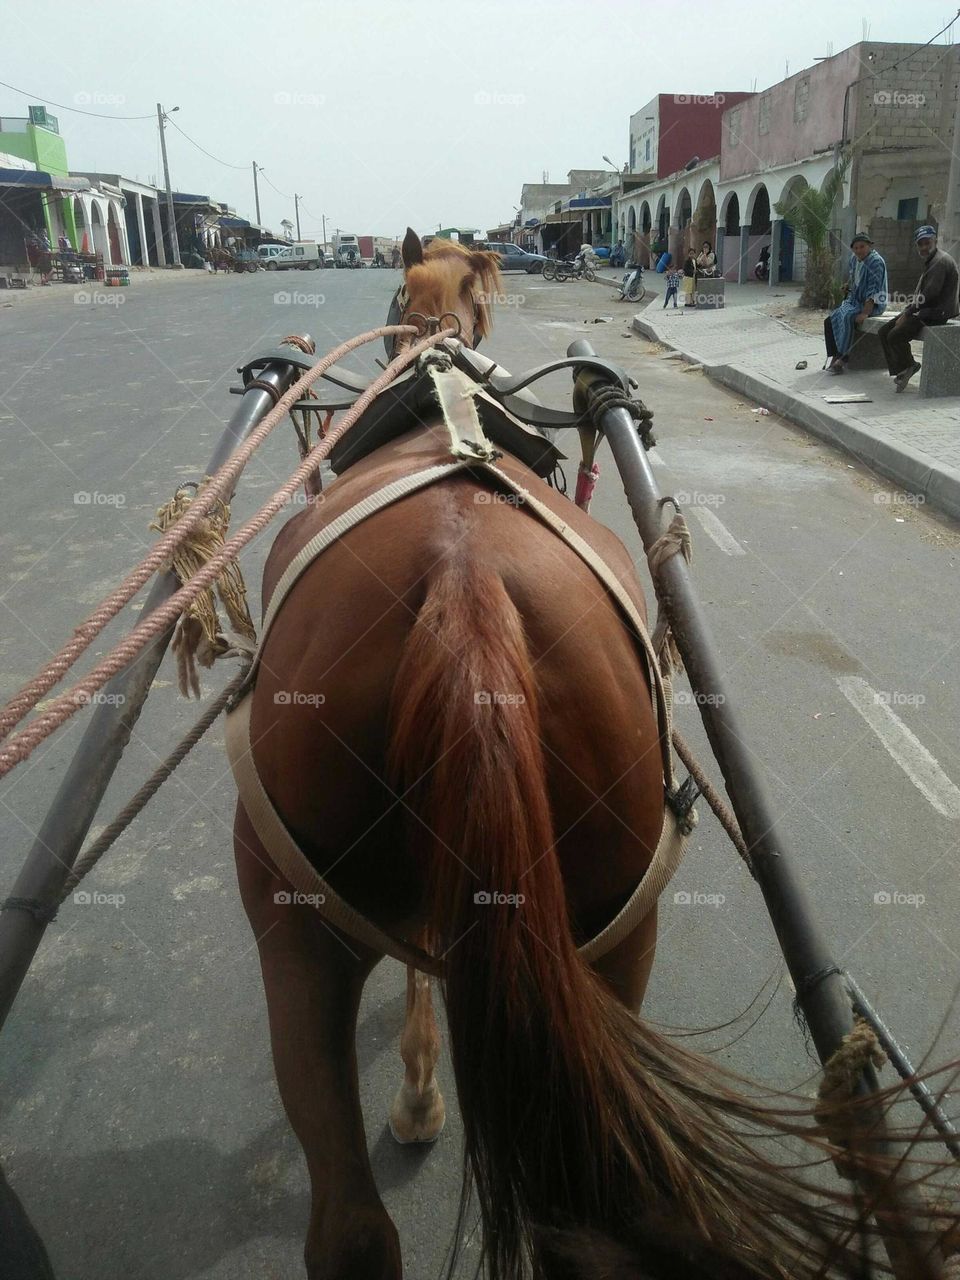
398,314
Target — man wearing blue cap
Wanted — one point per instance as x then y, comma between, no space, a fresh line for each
935,302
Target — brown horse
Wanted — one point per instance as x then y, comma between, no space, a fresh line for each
455,723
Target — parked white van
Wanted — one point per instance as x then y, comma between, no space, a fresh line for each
302,255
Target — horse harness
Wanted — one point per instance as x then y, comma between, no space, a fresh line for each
448,377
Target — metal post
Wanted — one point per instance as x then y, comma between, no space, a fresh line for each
817,979
256,192
75,804
174,242
296,208
323,220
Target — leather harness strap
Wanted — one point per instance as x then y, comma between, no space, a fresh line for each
474,453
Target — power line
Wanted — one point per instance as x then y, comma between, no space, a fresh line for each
48,102
270,184
907,56
225,164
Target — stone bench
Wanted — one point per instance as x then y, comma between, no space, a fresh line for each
940,363
709,292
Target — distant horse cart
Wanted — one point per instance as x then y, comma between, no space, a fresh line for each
418,777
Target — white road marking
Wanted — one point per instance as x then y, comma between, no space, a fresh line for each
718,531
655,458
911,755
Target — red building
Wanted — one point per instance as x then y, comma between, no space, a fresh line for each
673,128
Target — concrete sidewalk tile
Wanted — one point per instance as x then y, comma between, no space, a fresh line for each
914,443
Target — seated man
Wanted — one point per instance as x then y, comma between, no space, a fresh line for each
866,292
935,302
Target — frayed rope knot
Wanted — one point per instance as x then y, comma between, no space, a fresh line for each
198,636
858,1050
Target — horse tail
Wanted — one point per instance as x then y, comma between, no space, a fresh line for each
578,1117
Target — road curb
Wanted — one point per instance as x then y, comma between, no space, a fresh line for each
908,468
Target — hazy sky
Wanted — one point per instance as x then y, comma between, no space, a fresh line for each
384,114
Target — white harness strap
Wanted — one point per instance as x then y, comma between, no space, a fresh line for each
286,854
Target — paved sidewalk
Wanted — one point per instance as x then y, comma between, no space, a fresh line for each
913,442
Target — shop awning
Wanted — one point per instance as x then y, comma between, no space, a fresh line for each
37,180
566,216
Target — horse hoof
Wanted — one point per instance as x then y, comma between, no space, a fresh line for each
417,1122
414,1134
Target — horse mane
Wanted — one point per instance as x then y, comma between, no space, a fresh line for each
474,273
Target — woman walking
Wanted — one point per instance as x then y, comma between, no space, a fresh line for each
689,279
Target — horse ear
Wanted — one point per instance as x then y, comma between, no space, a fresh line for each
412,251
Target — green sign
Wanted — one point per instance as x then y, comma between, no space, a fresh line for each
39,116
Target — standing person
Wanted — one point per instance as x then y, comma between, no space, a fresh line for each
866,293
673,278
934,302
689,278
39,255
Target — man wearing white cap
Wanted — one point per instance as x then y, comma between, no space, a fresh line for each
935,302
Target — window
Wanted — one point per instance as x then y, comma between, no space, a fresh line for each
733,126
907,210
646,154
801,96
763,114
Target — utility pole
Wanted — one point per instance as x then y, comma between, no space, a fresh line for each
296,206
256,192
171,216
323,219
951,221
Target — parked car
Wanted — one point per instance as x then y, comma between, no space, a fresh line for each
513,258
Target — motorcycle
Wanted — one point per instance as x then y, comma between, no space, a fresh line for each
762,269
632,288
577,269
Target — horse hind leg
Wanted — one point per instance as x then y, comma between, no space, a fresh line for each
313,982
418,1111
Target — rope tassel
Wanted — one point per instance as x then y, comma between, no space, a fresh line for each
199,637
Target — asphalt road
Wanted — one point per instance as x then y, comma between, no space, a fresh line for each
140,1120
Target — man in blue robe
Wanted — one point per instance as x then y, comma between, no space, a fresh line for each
866,295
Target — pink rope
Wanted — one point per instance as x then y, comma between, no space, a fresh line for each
587,478
21,745
220,487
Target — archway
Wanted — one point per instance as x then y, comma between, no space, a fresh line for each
113,237
101,243
731,215
80,222
684,210
793,249
705,219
